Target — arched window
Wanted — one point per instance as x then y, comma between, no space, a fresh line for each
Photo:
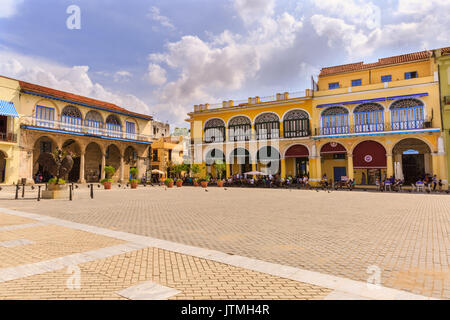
296,124
71,119
407,114
267,126
369,117
94,122
239,129
215,131
334,121
113,126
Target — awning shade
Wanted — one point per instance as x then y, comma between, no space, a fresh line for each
369,154
297,151
7,109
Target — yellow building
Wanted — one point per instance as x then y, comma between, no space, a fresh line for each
443,59
96,132
362,121
9,131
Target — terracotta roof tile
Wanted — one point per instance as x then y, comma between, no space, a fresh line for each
26,86
359,66
445,50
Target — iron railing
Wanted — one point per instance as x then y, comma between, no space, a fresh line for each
86,129
8,137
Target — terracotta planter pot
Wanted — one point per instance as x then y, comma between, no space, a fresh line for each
169,185
179,183
133,184
107,185
56,187
196,184
204,184
220,184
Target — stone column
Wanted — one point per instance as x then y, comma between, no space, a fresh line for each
319,168
103,166
283,168
434,164
254,166
227,171
82,164
389,166
350,166
122,169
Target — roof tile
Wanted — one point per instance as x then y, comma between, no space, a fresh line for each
359,66
26,86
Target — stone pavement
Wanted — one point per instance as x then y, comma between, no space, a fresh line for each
338,234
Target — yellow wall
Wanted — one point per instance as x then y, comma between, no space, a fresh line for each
9,91
373,76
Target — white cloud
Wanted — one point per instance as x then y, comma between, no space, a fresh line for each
156,74
155,15
71,79
122,76
358,12
254,10
208,69
9,8
422,25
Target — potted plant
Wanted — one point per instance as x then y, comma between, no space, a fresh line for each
179,183
220,169
204,182
134,181
196,182
56,184
109,172
168,182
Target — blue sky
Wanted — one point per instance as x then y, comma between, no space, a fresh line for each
162,57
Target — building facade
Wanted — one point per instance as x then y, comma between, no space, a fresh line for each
443,60
97,133
9,131
362,121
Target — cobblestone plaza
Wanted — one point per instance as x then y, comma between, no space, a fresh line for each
338,235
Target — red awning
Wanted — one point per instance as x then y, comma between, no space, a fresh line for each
369,154
333,147
297,151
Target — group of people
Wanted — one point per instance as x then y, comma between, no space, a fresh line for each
268,181
343,183
429,182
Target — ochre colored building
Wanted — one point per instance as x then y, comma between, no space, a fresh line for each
98,133
361,121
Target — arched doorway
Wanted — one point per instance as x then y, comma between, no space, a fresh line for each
213,157
414,158
71,146
334,161
297,161
240,161
369,162
43,144
93,162
268,159
2,167
113,159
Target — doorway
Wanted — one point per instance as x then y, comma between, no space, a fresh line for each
413,166
339,172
